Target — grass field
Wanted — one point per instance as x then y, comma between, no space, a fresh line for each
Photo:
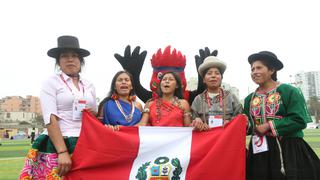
12,153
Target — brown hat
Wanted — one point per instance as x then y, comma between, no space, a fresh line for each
267,56
67,43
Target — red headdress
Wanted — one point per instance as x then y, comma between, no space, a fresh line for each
167,61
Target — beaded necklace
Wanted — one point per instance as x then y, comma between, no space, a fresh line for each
128,117
159,104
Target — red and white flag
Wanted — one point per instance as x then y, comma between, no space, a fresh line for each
159,153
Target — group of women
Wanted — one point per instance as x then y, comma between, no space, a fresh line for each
276,114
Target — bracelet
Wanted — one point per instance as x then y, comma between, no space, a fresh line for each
146,110
62,151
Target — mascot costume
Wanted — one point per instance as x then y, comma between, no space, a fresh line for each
161,62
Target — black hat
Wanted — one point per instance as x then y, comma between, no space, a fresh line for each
67,43
267,56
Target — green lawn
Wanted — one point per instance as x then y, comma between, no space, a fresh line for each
312,136
12,153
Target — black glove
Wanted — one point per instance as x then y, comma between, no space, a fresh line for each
203,54
132,63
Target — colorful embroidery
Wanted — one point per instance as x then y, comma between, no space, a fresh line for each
53,175
273,98
256,101
32,155
40,165
264,108
25,176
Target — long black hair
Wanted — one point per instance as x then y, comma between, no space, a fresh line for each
113,89
178,91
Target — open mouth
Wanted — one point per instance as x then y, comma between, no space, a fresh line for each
124,87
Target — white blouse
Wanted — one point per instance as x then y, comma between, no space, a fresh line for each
57,96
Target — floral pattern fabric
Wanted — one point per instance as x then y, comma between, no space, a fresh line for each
40,166
41,162
283,107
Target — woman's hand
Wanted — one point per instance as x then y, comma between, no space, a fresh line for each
91,110
199,125
262,129
225,122
114,128
64,163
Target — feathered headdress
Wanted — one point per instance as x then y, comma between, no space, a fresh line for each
168,59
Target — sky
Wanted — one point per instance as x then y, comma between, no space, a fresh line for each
289,28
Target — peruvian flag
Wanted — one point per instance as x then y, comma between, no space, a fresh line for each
159,153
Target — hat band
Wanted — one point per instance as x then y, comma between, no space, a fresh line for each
168,68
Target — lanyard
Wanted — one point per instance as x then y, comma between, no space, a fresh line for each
65,82
220,99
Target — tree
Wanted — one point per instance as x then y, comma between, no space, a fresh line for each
314,107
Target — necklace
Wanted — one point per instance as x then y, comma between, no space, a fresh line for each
160,106
129,116
221,94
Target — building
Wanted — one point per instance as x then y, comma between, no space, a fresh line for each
17,117
19,104
16,109
11,103
308,83
32,104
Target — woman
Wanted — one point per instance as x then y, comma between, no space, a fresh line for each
215,106
120,106
63,97
169,108
277,114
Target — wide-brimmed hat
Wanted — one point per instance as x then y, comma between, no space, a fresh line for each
266,56
67,43
212,61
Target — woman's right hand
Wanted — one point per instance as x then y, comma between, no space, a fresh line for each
64,163
262,129
114,128
199,125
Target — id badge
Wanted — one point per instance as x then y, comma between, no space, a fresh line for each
215,121
259,144
78,106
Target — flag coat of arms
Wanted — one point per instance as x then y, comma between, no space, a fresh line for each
159,153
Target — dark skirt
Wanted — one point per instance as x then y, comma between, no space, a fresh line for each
300,161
